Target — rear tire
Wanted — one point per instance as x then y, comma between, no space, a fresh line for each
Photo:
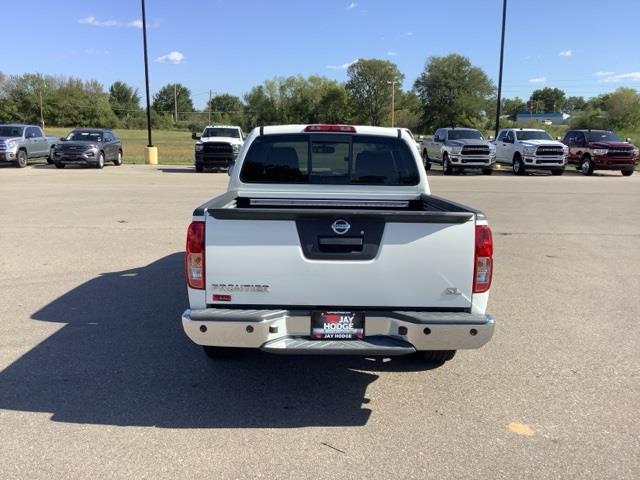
487,171
557,172
436,356
518,165
627,173
447,169
50,157
586,167
425,160
219,352
22,159
199,168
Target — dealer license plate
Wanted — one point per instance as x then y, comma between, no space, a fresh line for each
337,325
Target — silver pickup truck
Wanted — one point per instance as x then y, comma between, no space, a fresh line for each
458,149
21,143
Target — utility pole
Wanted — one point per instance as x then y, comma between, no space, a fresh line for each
175,102
41,109
209,106
393,101
504,18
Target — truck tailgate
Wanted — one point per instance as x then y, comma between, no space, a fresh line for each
303,262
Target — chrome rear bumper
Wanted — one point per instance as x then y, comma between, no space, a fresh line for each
386,332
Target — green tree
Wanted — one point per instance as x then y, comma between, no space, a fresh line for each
453,92
164,101
227,109
226,103
369,89
124,100
573,104
590,117
333,106
296,99
408,110
262,108
623,108
511,106
551,99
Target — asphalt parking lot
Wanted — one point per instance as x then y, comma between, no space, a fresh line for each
98,380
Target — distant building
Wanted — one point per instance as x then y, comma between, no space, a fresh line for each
545,118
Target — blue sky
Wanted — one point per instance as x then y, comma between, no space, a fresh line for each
585,47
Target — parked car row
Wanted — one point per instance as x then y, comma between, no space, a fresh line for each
83,146
456,149
459,149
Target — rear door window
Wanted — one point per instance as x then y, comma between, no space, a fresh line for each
329,159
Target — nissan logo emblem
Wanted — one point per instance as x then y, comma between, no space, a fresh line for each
340,226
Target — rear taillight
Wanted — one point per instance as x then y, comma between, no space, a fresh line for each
330,128
194,257
483,268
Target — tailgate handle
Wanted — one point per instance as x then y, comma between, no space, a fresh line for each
340,244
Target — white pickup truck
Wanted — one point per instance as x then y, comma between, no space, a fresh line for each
528,149
328,241
217,146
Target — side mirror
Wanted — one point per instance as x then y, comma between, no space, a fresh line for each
558,138
490,137
195,136
63,139
628,140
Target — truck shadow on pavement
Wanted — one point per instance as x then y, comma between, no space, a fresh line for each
121,358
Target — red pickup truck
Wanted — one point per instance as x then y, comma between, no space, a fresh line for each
591,150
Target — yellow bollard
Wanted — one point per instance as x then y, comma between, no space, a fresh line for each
151,155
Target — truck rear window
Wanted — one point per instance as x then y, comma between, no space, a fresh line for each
329,159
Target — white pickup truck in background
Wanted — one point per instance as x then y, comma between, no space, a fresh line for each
529,148
328,241
217,147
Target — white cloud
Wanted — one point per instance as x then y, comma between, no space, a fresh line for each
602,73
628,77
565,53
171,57
538,80
352,5
392,54
93,21
344,66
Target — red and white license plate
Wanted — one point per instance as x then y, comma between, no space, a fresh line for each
337,325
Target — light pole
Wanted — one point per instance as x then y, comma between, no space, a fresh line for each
393,100
504,17
150,152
